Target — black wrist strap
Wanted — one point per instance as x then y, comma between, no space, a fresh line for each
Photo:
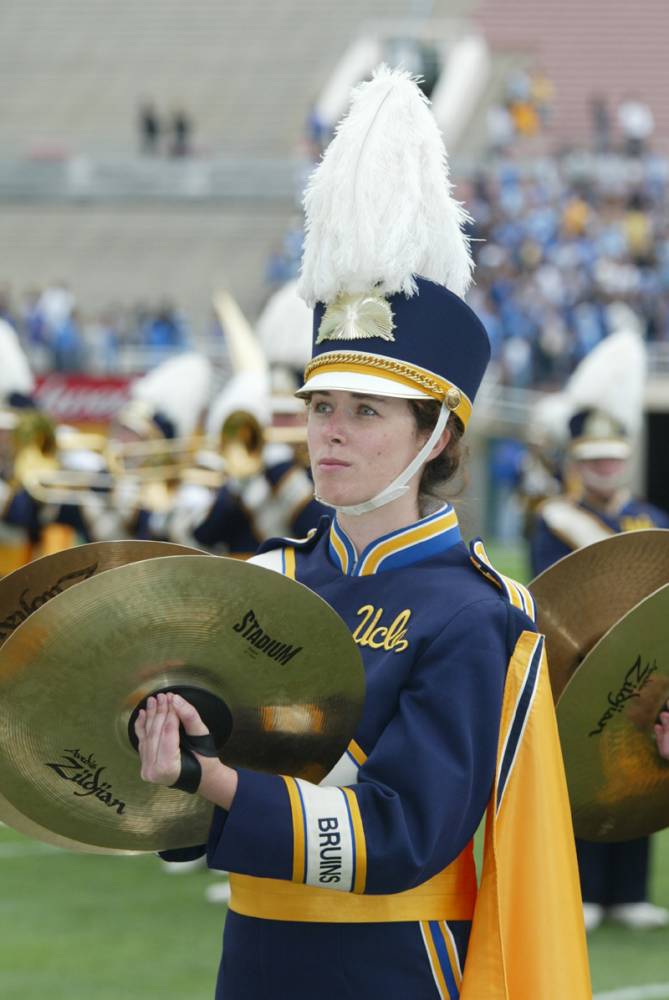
190,775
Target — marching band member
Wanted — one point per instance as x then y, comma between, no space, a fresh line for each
365,885
28,527
601,434
265,491
166,403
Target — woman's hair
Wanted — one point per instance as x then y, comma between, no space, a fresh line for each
442,469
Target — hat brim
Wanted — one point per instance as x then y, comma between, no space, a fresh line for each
367,385
588,451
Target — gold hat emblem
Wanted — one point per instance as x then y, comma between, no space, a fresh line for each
357,317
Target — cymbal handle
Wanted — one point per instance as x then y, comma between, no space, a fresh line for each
190,775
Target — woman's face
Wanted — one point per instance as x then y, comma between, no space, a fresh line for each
358,444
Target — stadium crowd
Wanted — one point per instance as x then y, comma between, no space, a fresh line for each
556,240
58,336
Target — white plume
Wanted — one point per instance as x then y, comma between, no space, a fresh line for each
244,348
548,425
179,388
379,206
612,378
284,328
15,374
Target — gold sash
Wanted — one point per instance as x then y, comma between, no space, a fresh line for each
450,895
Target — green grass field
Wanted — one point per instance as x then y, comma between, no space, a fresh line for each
87,927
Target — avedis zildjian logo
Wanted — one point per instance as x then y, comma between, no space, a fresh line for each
85,772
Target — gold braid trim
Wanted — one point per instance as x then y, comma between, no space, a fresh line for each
397,371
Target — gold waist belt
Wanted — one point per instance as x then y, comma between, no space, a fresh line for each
450,895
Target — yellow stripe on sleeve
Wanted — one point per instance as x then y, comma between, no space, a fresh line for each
514,593
357,753
289,561
298,828
359,841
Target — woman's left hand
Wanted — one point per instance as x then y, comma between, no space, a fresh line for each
662,733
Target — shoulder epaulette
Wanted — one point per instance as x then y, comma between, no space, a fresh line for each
278,554
516,593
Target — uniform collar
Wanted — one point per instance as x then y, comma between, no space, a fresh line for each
431,535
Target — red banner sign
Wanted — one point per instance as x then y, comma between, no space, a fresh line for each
81,399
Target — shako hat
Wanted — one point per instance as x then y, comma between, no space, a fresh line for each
386,263
606,391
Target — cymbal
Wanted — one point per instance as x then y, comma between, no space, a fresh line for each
618,783
29,587
582,596
263,651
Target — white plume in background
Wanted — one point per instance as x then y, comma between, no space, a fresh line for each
548,426
179,388
15,373
612,378
284,328
379,206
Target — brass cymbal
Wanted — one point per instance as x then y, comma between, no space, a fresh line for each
583,595
29,587
618,783
254,643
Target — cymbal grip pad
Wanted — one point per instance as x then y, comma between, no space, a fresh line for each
190,775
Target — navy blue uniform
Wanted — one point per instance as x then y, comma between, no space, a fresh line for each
378,855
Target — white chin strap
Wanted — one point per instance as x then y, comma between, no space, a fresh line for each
399,486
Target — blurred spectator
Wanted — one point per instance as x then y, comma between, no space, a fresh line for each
601,124
317,134
501,128
637,125
68,345
542,95
149,128
32,322
164,329
182,128
55,305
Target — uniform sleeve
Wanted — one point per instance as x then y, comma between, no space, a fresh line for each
420,794
223,523
545,548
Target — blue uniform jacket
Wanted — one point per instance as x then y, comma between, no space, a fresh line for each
436,629
578,525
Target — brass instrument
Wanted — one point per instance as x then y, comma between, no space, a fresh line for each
149,469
